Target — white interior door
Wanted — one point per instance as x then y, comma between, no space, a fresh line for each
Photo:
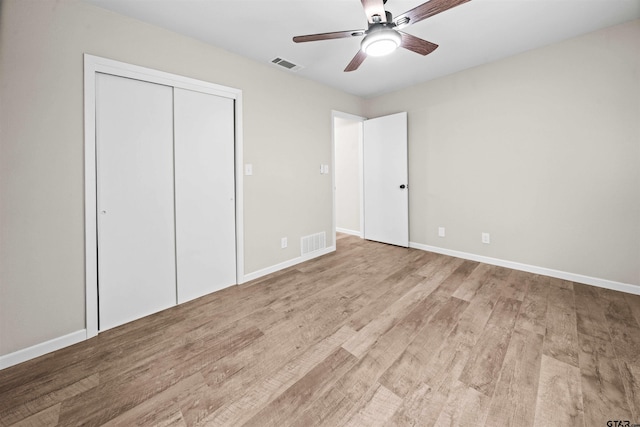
205,193
136,236
385,168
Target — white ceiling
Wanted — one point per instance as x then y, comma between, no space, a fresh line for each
471,34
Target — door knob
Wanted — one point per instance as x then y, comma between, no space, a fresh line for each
403,186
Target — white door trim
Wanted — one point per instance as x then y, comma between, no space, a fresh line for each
354,118
92,65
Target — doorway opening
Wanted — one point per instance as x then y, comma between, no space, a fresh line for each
348,213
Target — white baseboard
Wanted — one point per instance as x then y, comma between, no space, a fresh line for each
594,281
286,264
42,348
347,231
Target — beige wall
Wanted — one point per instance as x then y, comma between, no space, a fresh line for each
541,150
347,136
286,138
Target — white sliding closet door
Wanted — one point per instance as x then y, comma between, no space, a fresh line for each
205,192
135,197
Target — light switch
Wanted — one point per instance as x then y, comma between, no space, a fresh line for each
325,168
248,169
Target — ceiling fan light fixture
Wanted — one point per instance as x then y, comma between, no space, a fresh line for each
381,42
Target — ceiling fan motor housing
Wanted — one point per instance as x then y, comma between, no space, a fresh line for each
381,39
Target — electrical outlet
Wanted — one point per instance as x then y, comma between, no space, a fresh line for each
283,242
440,231
486,238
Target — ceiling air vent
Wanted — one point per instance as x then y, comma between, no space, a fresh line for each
287,64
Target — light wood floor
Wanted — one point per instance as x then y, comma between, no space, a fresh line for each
369,335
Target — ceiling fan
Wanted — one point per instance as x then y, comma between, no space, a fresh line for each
383,36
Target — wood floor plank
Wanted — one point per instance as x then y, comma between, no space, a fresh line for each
504,313
559,401
378,410
332,403
420,408
465,406
625,338
162,408
304,326
457,278
206,337
362,379
143,382
514,399
435,263
602,387
590,315
378,305
618,312
554,282
368,251
335,278
533,313
12,414
518,283
406,372
634,303
295,400
630,373
485,361
561,337
436,340
231,376
46,417
447,364
473,321
73,360
198,403
389,346
345,409
45,389
360,343
243,409
467,290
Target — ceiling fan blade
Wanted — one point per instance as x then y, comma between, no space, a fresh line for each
416,44
328,36
356,61
430,8
374,7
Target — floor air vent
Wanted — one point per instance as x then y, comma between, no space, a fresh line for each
286,64
313,243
